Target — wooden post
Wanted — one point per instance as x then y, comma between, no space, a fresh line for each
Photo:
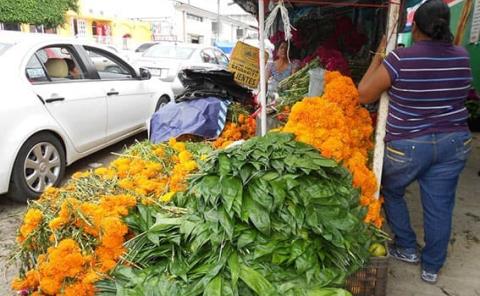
263,82
392,26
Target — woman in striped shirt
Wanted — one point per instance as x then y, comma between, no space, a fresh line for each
427,137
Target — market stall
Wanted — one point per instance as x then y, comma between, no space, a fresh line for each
336,24
215,210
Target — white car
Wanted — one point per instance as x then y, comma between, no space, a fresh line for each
51,117
165,60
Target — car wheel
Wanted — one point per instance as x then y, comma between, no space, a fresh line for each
162,102
39,163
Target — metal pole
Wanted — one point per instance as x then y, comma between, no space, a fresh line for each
393,15
263,101
218,20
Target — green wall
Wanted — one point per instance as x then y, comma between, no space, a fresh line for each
473,49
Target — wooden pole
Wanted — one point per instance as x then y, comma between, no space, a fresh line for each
263,82
392,26
460,32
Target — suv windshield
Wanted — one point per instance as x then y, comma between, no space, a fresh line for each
4,47
171,52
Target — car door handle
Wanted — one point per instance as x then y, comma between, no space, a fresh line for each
51,100
113,93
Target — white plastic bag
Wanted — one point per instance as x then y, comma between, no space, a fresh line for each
315,86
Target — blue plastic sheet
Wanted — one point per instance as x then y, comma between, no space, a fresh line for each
225,46
203,117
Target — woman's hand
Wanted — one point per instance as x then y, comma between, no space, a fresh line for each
376,80
381,50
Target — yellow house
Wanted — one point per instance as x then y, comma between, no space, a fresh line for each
121,32
104,29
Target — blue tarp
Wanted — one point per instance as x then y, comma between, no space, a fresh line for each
225,46
200,117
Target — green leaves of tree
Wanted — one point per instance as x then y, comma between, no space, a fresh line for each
50,13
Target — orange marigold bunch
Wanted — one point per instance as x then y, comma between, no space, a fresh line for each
77,232
245,128
67,270
157,179
31,221
341,129
61,268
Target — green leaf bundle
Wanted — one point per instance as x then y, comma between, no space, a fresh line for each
268,217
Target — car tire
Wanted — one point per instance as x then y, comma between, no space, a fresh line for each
162,102
39,163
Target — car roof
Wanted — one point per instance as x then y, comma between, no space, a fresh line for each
182,44
13,38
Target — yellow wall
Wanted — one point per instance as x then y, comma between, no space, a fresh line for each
138,30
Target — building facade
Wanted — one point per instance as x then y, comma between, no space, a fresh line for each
96,21
192,24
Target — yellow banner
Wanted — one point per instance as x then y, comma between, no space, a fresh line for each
244,63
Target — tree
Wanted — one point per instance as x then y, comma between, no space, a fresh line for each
50,13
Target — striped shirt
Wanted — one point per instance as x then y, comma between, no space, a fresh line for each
430,83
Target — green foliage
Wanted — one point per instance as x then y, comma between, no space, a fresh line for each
473,108
268,217
50,13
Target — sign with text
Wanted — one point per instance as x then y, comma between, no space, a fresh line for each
244,64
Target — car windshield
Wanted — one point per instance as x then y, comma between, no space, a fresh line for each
4,47
144,47
168,51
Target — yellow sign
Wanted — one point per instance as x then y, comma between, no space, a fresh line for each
244,64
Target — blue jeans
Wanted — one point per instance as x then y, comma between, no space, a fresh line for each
435,161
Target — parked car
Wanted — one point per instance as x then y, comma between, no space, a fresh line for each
165,60
51,117
144,46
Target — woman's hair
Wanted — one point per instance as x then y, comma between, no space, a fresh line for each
279,43
277,47
432,18
71,64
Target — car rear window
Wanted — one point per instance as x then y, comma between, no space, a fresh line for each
4,47
172,52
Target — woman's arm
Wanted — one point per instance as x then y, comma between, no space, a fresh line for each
376,80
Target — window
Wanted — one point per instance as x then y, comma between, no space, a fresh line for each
195,39
208,56
35,71
54,63
194,17
221,57
79,27
108,67
10,26
168,51
37,29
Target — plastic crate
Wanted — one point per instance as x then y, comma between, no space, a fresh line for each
370,280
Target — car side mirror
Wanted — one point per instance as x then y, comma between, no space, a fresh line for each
145,74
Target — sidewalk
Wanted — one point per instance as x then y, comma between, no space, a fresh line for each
461,274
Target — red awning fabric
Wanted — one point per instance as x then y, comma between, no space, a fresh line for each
251,6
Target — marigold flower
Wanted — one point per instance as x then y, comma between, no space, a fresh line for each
341,129
167,197
31,221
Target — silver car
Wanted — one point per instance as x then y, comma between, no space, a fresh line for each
165,60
